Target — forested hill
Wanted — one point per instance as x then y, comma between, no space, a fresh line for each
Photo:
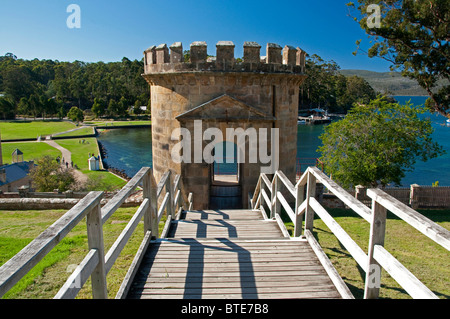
45,87
391,83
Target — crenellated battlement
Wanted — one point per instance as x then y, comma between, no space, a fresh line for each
164,59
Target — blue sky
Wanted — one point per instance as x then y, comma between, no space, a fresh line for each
111,30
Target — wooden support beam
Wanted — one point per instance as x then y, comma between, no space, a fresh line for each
299,199
376,237
275,204
95,241
310,192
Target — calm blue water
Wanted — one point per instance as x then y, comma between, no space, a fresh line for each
425,173
130,149
127,149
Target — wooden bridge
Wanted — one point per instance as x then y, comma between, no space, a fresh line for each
228,253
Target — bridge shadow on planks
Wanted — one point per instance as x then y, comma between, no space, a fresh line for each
196,270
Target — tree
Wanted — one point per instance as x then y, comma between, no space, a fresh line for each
62,113
326,87
137,108
35,105
98,108
414,36
7,109
75,114
377,143
122,107
112,107
24,107
48,175
51,107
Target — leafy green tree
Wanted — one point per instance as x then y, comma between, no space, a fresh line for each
51,107
17,81
75,114
48,175
35,105
24,107
414,36
377,143
7,109
137,108
325,87
99,107
360,90
62,113
122,107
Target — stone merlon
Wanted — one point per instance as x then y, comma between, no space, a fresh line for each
289,59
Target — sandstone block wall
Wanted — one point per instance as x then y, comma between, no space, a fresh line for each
223,94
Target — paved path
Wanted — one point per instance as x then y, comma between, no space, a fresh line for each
72,130
66,154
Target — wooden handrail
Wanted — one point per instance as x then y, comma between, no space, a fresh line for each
123,238
19,265
96,263
426,226
342,194
413,286
377,256
123,194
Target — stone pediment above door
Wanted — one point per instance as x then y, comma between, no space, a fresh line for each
225,108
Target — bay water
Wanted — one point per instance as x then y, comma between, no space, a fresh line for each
130,149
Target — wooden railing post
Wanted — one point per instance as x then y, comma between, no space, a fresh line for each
299,217
310,192
377,234
414,196
169,190
150,218
275,203
95,241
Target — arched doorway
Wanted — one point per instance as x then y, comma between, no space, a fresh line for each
225,189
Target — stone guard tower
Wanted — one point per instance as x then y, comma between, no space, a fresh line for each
260,92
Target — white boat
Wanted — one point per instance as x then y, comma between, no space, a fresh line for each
448,122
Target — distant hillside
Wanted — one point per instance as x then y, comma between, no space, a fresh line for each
392,83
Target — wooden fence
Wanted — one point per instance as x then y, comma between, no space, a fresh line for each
415,196
97,264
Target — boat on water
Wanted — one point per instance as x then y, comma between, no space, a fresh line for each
317,116
448,122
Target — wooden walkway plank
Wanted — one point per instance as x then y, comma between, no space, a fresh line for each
230,254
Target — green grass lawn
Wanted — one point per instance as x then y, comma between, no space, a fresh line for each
428,261
18,228
32,129
31,151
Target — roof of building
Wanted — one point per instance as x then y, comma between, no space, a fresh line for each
15,172
17,152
